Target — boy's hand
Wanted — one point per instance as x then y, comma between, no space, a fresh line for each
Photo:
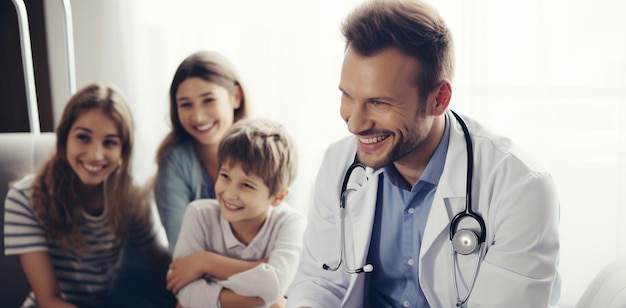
183,271
280,303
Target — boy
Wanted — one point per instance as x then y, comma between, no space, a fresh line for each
242,249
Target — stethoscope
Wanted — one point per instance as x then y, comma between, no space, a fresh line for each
345,190
464,241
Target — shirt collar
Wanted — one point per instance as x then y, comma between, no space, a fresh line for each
230,241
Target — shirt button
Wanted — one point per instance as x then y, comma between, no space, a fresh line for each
411,210
406,304
410,262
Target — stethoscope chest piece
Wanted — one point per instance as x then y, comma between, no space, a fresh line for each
465,241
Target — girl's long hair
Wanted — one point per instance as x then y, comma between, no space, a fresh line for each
209,66
55,187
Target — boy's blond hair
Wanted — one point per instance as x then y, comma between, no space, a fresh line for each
264,148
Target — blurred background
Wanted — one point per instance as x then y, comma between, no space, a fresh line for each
550,74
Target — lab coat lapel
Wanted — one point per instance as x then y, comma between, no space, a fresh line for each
450,195
360,218
361,207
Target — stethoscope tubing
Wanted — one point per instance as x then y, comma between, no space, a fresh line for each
342,217
468,212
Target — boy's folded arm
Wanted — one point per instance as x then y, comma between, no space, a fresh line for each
228,299
222,267
207,293
270,280
199,293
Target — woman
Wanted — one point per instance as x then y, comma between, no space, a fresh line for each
206,98
69,221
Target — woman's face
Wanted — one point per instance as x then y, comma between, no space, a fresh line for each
205,109
94,146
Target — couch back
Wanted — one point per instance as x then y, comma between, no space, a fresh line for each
20,154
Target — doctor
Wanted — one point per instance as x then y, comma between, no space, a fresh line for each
396,248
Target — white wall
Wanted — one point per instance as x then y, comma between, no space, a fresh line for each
550,74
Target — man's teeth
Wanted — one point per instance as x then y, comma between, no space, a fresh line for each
373,139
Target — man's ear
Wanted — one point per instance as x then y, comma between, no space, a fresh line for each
280,197
443,95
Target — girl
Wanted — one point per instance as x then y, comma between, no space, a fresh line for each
69,221
206,98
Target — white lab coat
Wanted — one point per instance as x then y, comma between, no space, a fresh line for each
514,195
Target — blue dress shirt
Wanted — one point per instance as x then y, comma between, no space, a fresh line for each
401,215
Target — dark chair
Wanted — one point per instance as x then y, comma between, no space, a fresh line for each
20,154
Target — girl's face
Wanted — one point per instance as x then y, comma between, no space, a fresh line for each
205,109
94,146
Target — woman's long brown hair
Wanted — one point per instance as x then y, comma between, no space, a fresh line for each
212,67
55,197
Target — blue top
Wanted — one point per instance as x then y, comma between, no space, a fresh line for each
207,191
180,179
399,223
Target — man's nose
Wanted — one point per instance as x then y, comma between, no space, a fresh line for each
358,119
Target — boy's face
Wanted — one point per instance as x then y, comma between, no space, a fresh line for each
243,198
